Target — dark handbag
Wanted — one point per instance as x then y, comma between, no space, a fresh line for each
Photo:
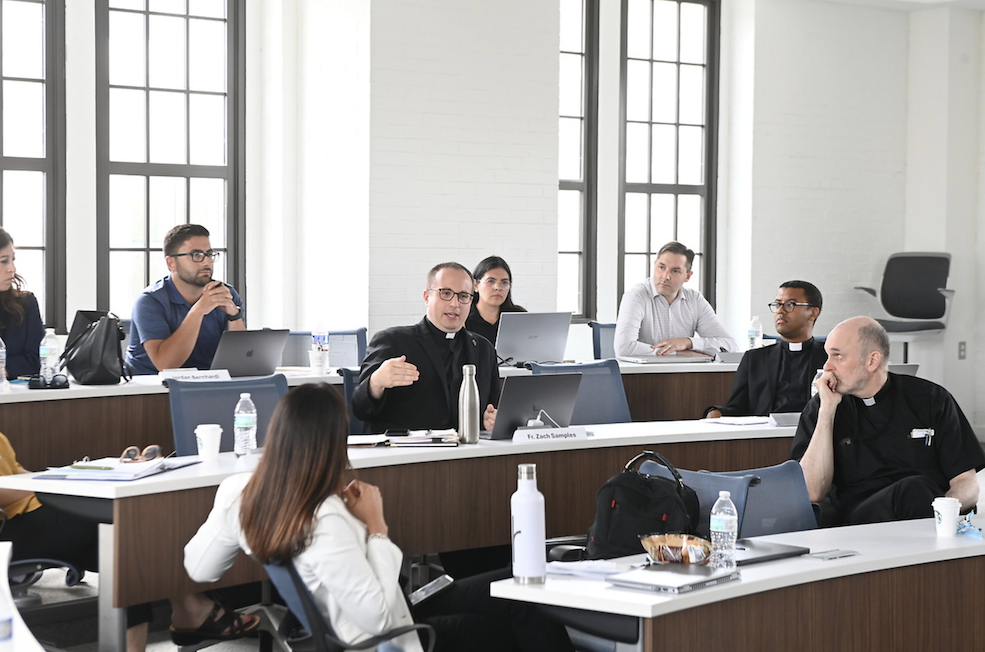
93,356
631,503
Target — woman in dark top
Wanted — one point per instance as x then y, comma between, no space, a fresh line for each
20,320
493,296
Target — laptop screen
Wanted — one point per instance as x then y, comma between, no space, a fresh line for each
524,397
532,336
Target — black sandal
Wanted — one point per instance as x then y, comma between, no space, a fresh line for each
227,627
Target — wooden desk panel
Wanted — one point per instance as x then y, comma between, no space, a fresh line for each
58,432
430,507
936,606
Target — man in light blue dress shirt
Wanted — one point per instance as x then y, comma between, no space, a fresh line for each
660,316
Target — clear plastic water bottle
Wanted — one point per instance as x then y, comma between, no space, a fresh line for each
6,622
244,425
4,383
50,350
755,333
724,527
529,531
319,339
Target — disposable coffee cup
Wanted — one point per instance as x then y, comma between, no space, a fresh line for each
208,436
946,516
316,360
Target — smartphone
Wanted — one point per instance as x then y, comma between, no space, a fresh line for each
433,587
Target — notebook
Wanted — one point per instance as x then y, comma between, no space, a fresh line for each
666,359
753,551
673,578
250,353
532,337
523,398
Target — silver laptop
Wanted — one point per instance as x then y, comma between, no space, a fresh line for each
665,359
532,337
250,353
524,397
673,578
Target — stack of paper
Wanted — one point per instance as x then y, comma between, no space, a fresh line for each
111,468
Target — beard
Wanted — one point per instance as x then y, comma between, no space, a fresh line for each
195,278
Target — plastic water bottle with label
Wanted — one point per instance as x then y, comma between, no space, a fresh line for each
4,383
755,333
724,527
244,425
50,350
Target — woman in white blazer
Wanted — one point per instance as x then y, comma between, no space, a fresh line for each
302,504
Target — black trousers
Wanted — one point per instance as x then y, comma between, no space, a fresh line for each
904,499
48,533
466,618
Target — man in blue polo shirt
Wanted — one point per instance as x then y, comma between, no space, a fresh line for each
178,320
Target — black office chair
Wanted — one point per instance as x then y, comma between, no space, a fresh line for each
347,348
25,573
601,394
603,336
914,295
195,402
319,635
350,378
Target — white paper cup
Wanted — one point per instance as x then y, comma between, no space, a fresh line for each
946,516
208,436
317,360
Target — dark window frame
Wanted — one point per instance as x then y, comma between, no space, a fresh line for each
708,190
588,185
233,172
52,165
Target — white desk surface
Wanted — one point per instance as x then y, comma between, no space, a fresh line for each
880,546
19,392
212,473
23,640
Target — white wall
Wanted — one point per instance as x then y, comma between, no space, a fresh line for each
463,147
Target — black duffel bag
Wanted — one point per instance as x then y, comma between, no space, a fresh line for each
93,356
631,503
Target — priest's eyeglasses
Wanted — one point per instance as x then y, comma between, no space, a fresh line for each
446,294
786,306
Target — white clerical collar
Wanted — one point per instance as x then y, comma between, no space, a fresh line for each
869,402
450,336
795,346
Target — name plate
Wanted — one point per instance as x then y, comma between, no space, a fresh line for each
550,434
194,374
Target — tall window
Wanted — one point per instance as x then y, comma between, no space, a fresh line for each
576,156
670,58
169,90
31,153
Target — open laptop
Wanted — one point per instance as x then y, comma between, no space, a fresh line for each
523,398
673,578
753,551
532,337
250,353
666,359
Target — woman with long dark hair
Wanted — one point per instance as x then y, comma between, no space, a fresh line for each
493,296
302,505
20,320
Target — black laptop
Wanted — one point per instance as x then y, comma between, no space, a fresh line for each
250,353
753,551
524,397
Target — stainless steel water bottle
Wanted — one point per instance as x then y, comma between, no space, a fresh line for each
469,410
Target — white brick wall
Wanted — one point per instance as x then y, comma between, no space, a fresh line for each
463,146
829,150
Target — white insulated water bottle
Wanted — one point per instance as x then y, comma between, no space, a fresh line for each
468,407
529,533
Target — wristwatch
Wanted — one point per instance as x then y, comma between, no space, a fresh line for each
237,316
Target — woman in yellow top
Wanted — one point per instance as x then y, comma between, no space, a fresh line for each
39,532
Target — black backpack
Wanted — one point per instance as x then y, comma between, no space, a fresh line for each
631,503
